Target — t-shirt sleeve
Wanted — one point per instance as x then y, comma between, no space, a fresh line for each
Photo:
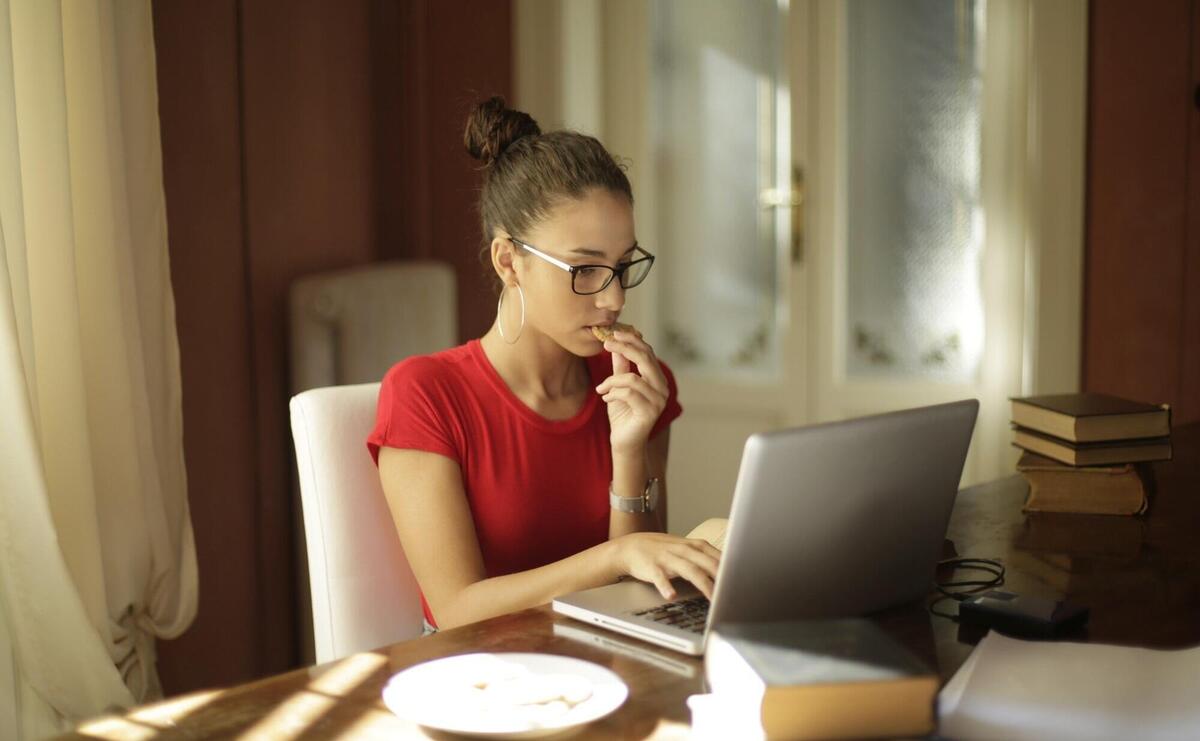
413,411
673,409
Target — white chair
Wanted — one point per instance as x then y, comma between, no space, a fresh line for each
349,326
363,592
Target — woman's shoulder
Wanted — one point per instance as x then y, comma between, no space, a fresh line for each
416,408
434,369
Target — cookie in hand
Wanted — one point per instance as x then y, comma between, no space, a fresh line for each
604,333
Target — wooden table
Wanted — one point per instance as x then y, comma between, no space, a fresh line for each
1140,576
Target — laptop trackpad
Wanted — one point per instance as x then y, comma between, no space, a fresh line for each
630,596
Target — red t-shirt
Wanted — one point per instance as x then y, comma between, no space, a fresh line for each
537,488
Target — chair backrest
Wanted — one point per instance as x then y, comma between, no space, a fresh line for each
363,592
350,326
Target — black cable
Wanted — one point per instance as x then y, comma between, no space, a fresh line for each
962,589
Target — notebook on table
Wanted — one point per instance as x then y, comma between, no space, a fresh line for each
831,520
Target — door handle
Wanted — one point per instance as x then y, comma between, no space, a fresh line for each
792,198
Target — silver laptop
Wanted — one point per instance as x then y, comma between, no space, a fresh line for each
832,520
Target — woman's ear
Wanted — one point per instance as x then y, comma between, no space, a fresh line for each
504,258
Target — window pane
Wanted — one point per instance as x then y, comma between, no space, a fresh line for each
914,222
713,122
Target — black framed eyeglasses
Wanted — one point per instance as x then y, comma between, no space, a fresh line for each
589,279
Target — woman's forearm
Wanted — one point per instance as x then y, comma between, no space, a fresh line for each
630,473
499,595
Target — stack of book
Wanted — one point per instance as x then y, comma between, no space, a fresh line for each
812,679
1087,452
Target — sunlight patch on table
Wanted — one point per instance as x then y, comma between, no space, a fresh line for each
348,674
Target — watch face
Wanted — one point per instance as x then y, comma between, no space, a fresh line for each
651,496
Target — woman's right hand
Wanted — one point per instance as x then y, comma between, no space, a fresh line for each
657,558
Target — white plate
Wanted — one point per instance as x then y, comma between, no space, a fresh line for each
444,694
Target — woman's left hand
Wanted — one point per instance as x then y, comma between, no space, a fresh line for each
634,401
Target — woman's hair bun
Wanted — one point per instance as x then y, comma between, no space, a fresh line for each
492,127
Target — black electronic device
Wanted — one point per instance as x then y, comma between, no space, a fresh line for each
1021,615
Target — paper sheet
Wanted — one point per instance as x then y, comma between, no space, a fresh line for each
1013,689
718,719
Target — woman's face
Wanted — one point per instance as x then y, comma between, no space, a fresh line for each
596,229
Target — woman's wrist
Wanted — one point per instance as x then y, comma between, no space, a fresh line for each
630,472
628,450
612,559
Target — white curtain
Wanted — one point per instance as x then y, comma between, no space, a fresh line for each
96,550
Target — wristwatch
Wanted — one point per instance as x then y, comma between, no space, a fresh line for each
647,502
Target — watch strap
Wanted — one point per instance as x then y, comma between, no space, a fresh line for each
647,502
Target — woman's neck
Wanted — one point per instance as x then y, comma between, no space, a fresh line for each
535,366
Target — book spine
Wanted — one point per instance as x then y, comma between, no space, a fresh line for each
1085,492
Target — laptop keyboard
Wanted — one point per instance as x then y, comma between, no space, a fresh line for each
689,614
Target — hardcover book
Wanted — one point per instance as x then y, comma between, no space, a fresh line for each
1118,489
1092,454
1088,417
811,679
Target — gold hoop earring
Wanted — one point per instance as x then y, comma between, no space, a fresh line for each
500,315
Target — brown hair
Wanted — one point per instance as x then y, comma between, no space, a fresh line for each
527,173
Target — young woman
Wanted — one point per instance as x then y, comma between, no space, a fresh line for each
531,462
